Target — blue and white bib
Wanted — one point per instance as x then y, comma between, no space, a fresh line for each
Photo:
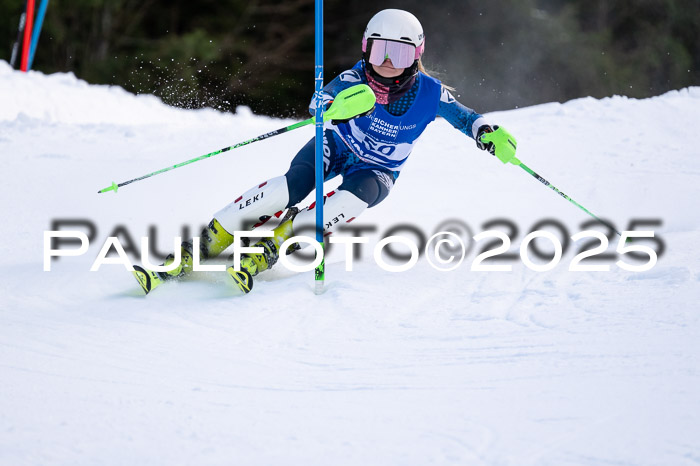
388,140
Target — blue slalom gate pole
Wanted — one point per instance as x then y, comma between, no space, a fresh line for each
37,30
320,269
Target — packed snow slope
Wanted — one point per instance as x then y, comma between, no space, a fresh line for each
417,367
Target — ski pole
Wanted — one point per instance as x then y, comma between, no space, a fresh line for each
349,103
556,190
116,186
505,151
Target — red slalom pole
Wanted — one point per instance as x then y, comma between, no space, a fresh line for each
26,44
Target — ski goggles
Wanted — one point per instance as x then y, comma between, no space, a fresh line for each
401,54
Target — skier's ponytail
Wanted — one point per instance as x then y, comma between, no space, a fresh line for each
432,74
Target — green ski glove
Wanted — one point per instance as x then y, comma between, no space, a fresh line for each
500,143
353,102
339,121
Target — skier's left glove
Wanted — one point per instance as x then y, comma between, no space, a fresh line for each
483,129
497,141
368,112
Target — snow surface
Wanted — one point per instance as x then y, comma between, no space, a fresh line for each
419,367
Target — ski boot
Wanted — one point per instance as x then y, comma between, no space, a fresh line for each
149,279
253,264
214,239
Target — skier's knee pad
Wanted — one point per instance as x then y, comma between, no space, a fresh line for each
339,208
254,206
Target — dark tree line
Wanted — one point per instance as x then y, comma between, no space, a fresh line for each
498,54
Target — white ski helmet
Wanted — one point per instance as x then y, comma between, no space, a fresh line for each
396,25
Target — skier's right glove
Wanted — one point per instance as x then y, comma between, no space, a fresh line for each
368,112
498,142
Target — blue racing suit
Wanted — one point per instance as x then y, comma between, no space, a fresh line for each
370,151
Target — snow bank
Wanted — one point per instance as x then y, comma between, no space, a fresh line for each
63,98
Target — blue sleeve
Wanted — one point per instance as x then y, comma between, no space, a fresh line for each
461,117
341,82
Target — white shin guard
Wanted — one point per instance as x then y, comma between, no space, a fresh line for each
339,207
255,205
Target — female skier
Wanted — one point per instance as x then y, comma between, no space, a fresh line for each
368,151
